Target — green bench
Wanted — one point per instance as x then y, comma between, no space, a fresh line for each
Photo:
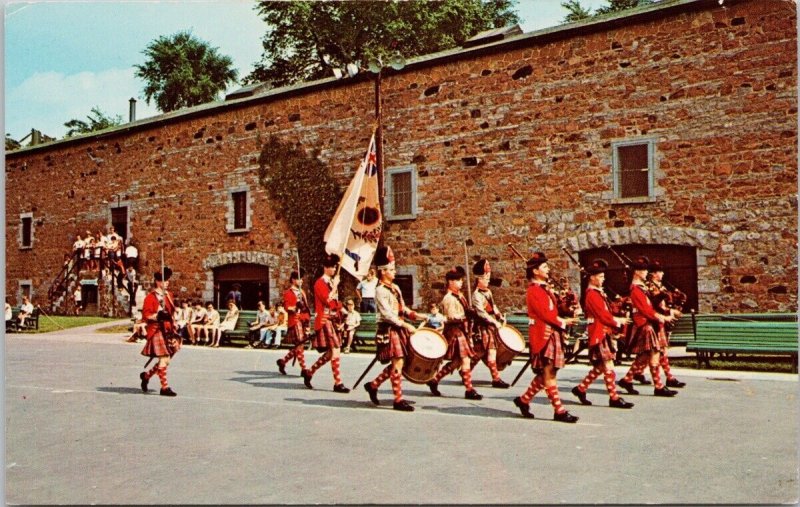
741,336
240,334
31,321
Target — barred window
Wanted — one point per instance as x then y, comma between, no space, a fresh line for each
633,169
26,230
239,210
401,198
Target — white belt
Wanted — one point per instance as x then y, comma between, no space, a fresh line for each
531,322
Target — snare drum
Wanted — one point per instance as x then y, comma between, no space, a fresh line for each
426,350
509,345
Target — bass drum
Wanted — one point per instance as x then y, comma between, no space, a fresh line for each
509,345
426,350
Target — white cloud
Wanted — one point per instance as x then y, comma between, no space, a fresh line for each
47,100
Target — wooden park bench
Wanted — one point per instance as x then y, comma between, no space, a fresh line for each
742,336
241,334
31,321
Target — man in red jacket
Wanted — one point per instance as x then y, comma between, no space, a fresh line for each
545,329
645,340
157,311
296,304
601,326
327,340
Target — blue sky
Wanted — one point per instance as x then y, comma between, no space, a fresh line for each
64,57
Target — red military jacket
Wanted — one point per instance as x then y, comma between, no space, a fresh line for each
596,308
324,305
297,308
643,311
154,302
543,313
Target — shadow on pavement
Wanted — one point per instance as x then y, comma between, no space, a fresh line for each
472,410
343,403
122,390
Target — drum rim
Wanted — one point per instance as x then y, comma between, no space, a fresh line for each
431,332
516,333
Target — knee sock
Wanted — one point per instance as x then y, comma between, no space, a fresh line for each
493,369
536,385
609,376
636,368
289,355
153,371
656,377
162,375
337,376
397,378
300,354
466,379
664,361
555,400
380,379
324,358
587,381
447,370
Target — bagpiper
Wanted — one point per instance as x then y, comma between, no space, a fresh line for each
392,337
327,340
296,304
162,340
545,336
488,321
657,291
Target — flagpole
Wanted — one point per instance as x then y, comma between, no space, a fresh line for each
379,149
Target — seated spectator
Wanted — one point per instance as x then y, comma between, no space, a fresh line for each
280,328
229,323
139,331
25,311
212,325
9,315
268,337
435,319
351,322
199,317
259,325
181,317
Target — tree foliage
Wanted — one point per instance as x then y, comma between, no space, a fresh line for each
183,71
11,143
301,33
97,121
578,12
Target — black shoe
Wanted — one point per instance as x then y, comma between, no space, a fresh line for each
373,393
307,378
673,382
403,406
500,384
472,394
168,392
666,393
434,387
145,380
581,396
340,388
565,417
619,403
524,408
627,386
641,379
281,366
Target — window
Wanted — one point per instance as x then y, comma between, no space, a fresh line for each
25,290
26,230
406,284
119,221
238,210
633,163
401,193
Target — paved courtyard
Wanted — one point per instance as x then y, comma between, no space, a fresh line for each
79,430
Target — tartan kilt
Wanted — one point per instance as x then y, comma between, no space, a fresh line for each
156,345
458,345
551,353
295,335
391,343
327,338
644,339
488,338
602,352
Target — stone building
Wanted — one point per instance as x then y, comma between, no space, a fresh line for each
669,130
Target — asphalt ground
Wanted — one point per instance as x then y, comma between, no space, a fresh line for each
79,430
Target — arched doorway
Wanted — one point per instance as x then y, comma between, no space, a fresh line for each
680,267
252,279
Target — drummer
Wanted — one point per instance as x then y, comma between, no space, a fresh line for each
393,333
456,325
488,321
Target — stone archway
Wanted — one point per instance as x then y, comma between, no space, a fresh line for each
705,242
216,260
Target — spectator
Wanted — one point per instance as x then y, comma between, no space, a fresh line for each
199,317
230,319
280,327
100,244
139,331
181,318
212,324
235,294
131,255
88,252
78,297
77,247
351,322
261,324
130,275
366,291
139,301
25,310
435,319
9,314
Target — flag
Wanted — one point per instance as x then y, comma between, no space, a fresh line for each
355,229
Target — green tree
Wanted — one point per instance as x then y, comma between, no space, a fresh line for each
302,33
97,121
578,12
183,71
12,144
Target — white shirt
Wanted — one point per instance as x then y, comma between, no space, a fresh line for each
131,252
27,307
367,288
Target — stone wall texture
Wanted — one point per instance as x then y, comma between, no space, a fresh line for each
510,144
